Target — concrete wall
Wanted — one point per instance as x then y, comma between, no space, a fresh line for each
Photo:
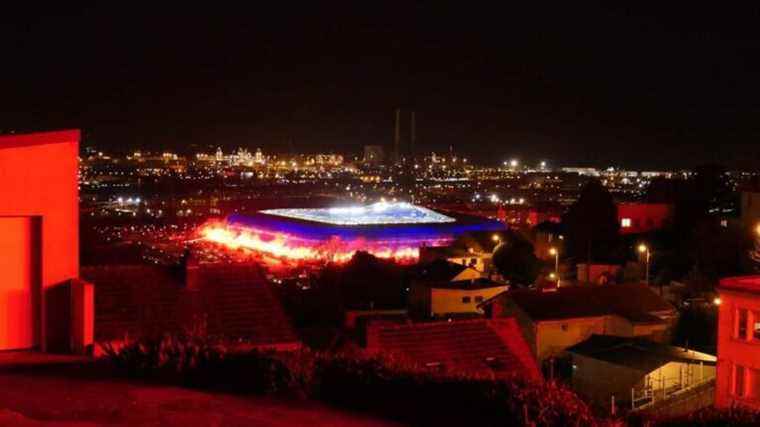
553,337
444,301
38,179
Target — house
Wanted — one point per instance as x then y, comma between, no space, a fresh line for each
738,380
556,319
43,303
481,347
445,271
598,274
457,297
636,218
473,249
638,372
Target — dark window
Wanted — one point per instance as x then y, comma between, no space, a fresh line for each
739,381
478,299
466,300
754,384
741,333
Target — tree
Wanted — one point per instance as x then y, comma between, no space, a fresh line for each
591,225
516,261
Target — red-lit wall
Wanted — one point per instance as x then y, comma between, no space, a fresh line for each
733,351
38,181
643,217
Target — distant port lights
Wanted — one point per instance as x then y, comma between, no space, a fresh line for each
380,213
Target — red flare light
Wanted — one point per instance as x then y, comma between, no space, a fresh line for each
287,247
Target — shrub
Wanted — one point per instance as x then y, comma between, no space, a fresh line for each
198,362
386,386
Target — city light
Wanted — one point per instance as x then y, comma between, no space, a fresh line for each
717,301
496,238
643,248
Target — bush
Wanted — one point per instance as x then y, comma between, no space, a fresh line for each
385,386
199,362
377,384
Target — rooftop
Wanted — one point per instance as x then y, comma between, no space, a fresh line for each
741,283
375,214
634,302
464,346
637,353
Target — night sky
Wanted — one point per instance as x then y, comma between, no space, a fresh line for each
637,87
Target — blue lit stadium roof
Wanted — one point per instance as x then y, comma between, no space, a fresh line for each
381,213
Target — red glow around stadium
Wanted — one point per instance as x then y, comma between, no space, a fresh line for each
287,247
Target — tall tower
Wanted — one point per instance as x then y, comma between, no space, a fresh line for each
413,138
397,137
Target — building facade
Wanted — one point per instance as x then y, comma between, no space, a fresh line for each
738,381
46,307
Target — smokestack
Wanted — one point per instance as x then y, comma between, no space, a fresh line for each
414,136
397,136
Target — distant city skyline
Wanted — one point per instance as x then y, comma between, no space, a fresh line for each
635,87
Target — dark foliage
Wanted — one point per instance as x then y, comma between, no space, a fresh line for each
516,261
411,394
592,226
198,362
379,385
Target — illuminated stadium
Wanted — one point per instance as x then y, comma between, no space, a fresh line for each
387,230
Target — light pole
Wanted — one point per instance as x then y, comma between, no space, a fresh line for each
644,249
554,252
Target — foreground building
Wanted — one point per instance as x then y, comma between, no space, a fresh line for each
43,304
640,373
739,342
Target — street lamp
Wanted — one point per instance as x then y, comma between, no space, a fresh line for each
644,249
555,253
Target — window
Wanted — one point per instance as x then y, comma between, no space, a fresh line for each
478,299
739,381
625,222
756,325
754,384
466,300
741,330
564,327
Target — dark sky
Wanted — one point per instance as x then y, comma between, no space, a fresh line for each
636,87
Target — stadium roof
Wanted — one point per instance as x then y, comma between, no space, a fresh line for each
375,214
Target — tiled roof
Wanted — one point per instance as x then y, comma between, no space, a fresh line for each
233,302
634,302
465,346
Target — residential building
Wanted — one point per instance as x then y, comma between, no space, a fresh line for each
457,297
636,218
739,342
638,372
555,319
